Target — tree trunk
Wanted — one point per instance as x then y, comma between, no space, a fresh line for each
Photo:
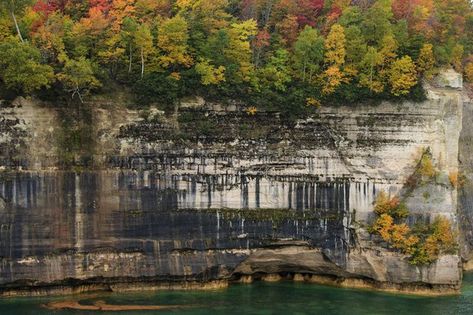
303,71
142,63
371,78
267,14
129,64
77,91
17,27
257,57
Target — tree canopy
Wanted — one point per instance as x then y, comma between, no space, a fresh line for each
265,51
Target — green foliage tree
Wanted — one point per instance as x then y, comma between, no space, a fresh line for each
209,73
355,45
376,21
77,77
268,50
144,41
369,75
308,54
276,74
21,68
14,7
127,33
172,41
239,50
157,88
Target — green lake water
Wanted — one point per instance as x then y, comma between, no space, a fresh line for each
266,298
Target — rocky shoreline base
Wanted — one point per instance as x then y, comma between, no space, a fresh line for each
129,285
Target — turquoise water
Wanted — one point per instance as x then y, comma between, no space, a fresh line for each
268,298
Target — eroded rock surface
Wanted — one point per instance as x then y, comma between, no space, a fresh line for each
215,194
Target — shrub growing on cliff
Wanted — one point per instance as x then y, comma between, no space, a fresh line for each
399,236
435,239
469,72
392,206
157,88
456,179
424,172
424,244
426,167
390,210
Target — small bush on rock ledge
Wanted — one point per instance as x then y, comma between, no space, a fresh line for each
424,244
390,205
436,239
457,180
424,172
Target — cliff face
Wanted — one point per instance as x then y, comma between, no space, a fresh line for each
215,194
465,196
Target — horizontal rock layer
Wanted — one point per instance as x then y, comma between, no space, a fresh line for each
215,194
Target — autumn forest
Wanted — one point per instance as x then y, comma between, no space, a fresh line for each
283,54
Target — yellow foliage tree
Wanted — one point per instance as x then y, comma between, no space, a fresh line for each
5,28
334,77
150,10
399,236
388,50
457,57
442,231
469,72
94,25
239,48
384,204
210,74
173,35
403,76
49,37
383,226
424,244
335,54
119,10
313,102
388,56
401,239
426,60
335,51
441,240
209,15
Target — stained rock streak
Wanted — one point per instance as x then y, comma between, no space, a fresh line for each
222,196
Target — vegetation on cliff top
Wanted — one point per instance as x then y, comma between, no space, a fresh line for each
288,54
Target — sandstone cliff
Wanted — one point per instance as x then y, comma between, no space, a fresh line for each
211,193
